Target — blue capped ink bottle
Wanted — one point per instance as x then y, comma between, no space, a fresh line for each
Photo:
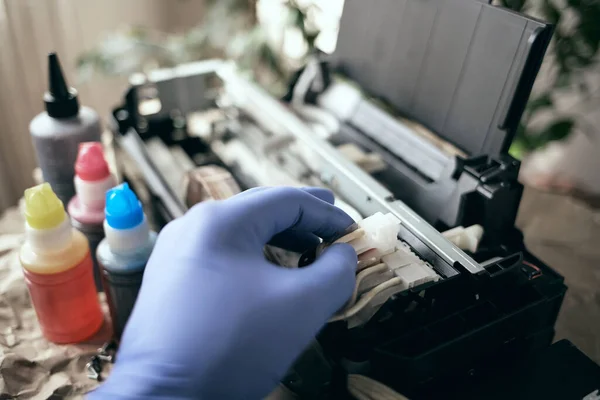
123,253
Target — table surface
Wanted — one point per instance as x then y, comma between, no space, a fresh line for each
565,233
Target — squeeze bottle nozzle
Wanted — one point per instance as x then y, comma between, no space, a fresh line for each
123,209
61,100
91,164
43,209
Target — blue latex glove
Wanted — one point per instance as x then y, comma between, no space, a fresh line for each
215,319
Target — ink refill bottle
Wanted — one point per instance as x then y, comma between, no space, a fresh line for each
58,271
92,180
57,132
123,253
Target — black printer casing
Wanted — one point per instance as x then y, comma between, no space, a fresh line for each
465,70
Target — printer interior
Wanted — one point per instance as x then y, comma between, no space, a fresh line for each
412,115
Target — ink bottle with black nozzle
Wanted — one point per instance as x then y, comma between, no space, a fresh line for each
57,132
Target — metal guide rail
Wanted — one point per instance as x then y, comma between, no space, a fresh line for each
350,181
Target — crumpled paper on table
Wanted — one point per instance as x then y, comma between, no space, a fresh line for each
30,366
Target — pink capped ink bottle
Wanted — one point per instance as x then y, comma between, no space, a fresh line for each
92,180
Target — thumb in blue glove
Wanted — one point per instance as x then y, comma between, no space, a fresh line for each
214,318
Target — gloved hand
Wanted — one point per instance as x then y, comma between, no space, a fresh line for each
214,319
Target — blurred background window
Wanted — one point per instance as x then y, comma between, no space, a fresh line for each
100,43
29,29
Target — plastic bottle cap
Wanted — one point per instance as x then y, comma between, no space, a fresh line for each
61,100
91,164
43,209
123,209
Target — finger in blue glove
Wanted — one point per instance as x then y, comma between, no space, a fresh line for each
214,318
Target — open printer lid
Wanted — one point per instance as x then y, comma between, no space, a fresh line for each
463,68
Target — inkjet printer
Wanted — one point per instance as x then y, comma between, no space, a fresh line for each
411,118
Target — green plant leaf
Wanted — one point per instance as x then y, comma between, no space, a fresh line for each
558,130
536,104
563,79
524,135
562,50
310,40
517,150
296,16
516,5
584,88
521,144
551,13
540,102
589,31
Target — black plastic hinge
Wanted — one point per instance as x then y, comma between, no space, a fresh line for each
490,170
